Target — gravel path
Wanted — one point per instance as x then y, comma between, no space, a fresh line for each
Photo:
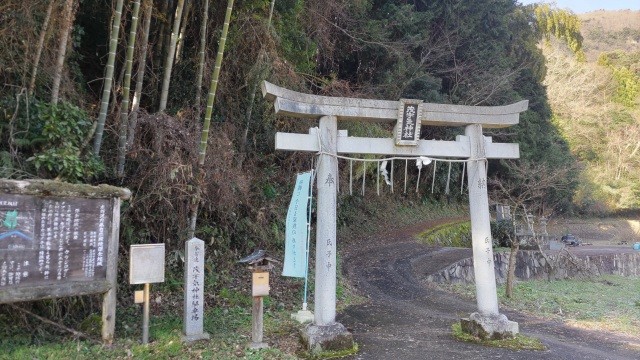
406,319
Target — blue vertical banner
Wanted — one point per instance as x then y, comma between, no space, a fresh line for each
295,252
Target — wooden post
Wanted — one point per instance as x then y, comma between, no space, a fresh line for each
326,181
257,320
109,299
145,314
259,288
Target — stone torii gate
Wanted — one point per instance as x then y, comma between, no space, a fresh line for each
325,333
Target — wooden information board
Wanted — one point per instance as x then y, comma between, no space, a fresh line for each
59,240
51,240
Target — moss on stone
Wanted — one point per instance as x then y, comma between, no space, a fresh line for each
62,189
519,342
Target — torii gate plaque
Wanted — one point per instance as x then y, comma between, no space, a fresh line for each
325,333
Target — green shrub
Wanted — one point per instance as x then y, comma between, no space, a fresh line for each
456,234
502,233
50,137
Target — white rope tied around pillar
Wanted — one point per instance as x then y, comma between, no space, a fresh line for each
378,178
406,166
420,161
364,175
418,181
382,163
446,190
433,181
464,167
350,177
392,175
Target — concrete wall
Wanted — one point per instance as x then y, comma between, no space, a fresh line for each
534,265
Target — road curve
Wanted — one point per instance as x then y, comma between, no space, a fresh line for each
406,319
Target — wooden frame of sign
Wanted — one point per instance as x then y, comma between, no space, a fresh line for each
58,240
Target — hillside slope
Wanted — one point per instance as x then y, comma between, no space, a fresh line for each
596,107
606,31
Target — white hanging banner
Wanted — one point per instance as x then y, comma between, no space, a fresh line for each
296,230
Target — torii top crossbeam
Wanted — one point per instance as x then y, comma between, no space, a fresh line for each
292,103
295,104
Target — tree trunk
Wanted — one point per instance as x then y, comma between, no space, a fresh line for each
183,28
67,25
273,2
43,33
142,64
106,87
168,63
511,272
163,10
204,138
257,74
124,107
203,47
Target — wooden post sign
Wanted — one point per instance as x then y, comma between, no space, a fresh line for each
146,266
59,239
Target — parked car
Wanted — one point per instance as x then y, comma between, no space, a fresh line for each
570,240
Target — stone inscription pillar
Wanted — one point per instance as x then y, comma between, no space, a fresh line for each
194,291
326,180
483,267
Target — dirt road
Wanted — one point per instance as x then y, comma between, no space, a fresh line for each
407,319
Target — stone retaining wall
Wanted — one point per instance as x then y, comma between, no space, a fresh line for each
534,265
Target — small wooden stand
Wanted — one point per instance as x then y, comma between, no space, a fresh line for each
259,264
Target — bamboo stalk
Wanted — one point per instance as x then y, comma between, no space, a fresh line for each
142,64
169,60
124,107
203,46
106,87
183,29
36,61
204,138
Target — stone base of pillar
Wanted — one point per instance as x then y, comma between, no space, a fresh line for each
334,337
195,337
303,316
489,327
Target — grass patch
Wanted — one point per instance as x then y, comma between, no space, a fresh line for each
607,302
520,342
230,331
331,354
455,234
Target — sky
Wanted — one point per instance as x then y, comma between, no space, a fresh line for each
583,6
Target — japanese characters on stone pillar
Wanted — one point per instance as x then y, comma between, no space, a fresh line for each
325,294
480,223
194,291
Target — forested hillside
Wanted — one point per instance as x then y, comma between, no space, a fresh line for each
596,106
55,68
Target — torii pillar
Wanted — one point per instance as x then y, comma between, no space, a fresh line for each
325,333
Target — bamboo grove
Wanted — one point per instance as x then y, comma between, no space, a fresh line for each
163,97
